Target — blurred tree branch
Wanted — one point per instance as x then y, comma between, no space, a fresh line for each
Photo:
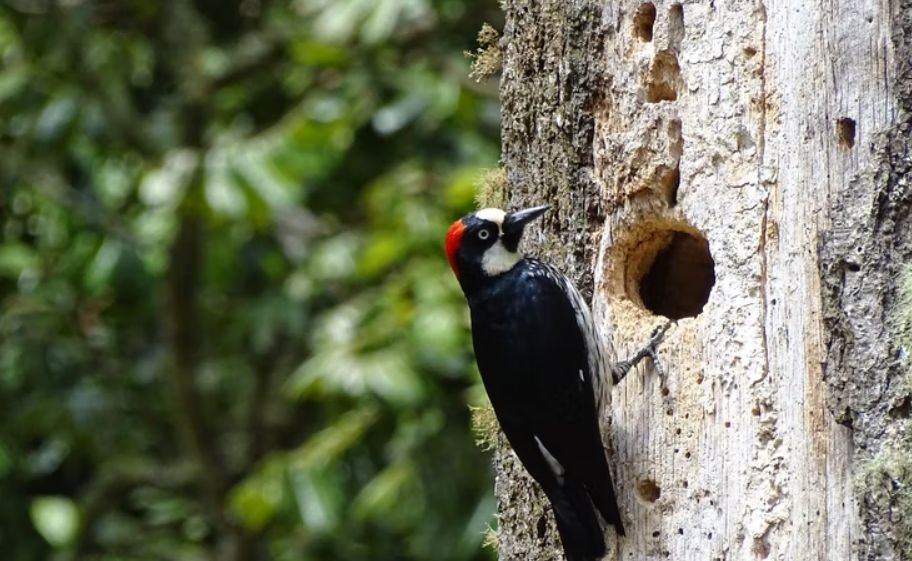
183,277
259,402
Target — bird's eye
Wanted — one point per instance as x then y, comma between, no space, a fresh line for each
484,234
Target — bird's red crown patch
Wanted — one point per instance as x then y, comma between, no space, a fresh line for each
453,237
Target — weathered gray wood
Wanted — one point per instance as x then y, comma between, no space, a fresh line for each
729,120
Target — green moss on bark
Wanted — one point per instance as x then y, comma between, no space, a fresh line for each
492,189
484,425
883,480
487,58
490,539
884,483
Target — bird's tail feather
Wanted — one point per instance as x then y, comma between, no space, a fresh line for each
606,502
578,526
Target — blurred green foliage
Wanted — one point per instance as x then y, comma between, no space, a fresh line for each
227,328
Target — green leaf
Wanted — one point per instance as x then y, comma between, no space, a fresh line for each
382,251
334,259
386,373
223,194
100,271
395,116
56,116
255,500
16,258
319,496
388,492
315,53
12,81
333,441
166,185
56,519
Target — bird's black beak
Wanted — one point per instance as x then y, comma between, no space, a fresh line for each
517,220
514,223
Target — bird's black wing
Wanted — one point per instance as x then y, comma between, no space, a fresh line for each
539,366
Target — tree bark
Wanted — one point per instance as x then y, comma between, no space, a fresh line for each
778,132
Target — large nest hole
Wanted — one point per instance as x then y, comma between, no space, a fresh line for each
671,272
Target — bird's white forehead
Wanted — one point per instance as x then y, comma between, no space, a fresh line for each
494,215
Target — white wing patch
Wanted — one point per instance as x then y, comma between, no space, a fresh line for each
552,461
598,364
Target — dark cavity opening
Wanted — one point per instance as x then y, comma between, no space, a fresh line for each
648,490
670,181
845,132
541,527
644,20
678,283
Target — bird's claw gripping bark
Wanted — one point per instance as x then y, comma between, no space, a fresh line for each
648,350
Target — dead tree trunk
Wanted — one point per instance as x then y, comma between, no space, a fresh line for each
743,167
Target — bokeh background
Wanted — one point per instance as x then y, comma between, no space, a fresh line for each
227,329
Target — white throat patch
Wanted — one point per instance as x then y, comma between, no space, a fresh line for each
497,259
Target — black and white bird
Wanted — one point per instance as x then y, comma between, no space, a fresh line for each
544,369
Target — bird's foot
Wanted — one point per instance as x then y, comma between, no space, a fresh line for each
648,350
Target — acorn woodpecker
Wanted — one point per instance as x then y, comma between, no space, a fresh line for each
544,368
